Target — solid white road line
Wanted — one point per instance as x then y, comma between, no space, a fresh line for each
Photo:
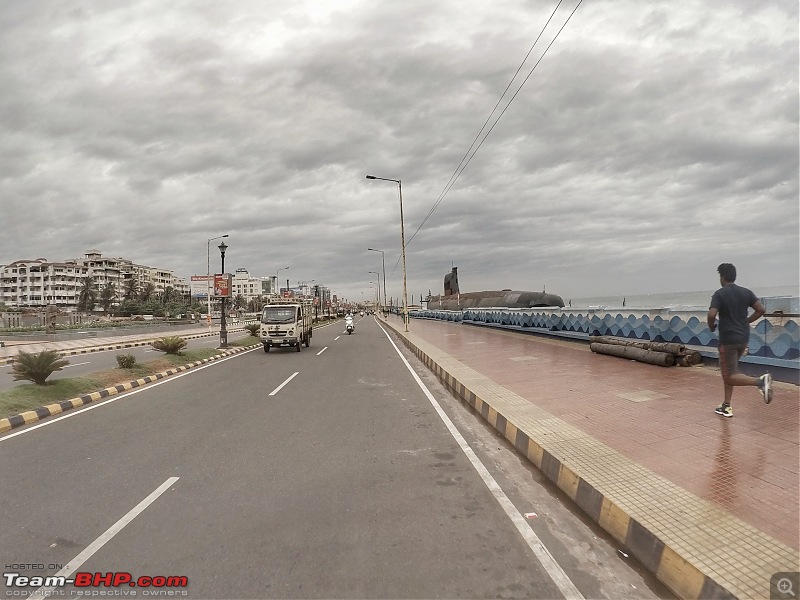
108,401
75,365
76,562
321,351
547,560
278,389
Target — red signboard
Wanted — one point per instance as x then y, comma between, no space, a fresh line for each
222,285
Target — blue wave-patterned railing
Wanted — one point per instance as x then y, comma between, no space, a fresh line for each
769,340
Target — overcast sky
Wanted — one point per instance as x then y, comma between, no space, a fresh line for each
653,141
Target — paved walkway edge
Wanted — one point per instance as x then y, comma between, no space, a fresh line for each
697,549
37,414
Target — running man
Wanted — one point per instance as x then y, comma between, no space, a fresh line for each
730,303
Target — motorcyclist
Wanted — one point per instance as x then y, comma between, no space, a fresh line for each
348,321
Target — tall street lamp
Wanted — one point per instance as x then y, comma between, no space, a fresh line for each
378,279
208,274
223,332
383,262
403,246
277,285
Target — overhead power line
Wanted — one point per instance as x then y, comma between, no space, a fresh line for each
467,156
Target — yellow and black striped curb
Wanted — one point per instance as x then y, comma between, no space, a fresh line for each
89,349
37,414
691,545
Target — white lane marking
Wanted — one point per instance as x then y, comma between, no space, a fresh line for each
546,559
336,338
139,390
280,387
76,562
321,351
75,365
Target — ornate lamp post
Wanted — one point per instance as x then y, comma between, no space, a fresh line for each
208,274
403,246
223,332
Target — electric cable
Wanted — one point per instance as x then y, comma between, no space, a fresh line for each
457,172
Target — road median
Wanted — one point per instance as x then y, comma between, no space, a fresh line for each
29,408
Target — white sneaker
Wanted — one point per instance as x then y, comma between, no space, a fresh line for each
766,387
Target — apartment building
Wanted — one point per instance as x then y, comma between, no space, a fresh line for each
39,282
248,286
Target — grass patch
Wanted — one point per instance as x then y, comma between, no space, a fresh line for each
28,396
245,341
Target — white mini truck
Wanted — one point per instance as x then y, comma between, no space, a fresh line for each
287,322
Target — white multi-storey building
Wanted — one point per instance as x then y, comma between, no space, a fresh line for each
39,282
248,286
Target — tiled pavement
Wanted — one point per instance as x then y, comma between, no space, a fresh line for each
709,504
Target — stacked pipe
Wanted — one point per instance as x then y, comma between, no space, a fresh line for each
664,354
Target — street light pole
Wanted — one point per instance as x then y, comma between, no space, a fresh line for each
403,246
383,263
223,332
378,278
208,274
277,285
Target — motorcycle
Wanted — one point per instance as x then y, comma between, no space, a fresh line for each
349,326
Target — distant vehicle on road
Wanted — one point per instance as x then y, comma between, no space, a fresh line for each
287,323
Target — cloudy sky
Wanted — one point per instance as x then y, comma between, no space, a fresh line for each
653,141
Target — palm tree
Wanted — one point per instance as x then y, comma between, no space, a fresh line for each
131,289
170,295
107,295
147,292
239,302
255,304
88,295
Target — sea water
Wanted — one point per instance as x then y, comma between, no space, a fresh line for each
676,301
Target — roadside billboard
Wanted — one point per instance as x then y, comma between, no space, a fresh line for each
222,285
199,286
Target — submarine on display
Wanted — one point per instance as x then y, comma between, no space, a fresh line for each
453,299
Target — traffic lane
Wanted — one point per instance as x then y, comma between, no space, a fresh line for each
345,484
83,365
130,438
594,561
101,459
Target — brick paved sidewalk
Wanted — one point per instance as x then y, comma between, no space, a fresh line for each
719,495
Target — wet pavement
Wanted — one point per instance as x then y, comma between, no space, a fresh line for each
725,491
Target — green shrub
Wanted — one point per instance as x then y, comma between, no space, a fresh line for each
254,329
37,366
170,344
126,361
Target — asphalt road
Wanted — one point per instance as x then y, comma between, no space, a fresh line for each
325,473
82,365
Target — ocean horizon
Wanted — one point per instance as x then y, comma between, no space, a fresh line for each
672,300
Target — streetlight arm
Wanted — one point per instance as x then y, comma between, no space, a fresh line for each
382,178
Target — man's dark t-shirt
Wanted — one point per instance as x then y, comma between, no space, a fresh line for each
732,302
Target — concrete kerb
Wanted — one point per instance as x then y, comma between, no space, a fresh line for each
102,348
673,533
37,414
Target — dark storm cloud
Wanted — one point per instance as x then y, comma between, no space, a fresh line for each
649,133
